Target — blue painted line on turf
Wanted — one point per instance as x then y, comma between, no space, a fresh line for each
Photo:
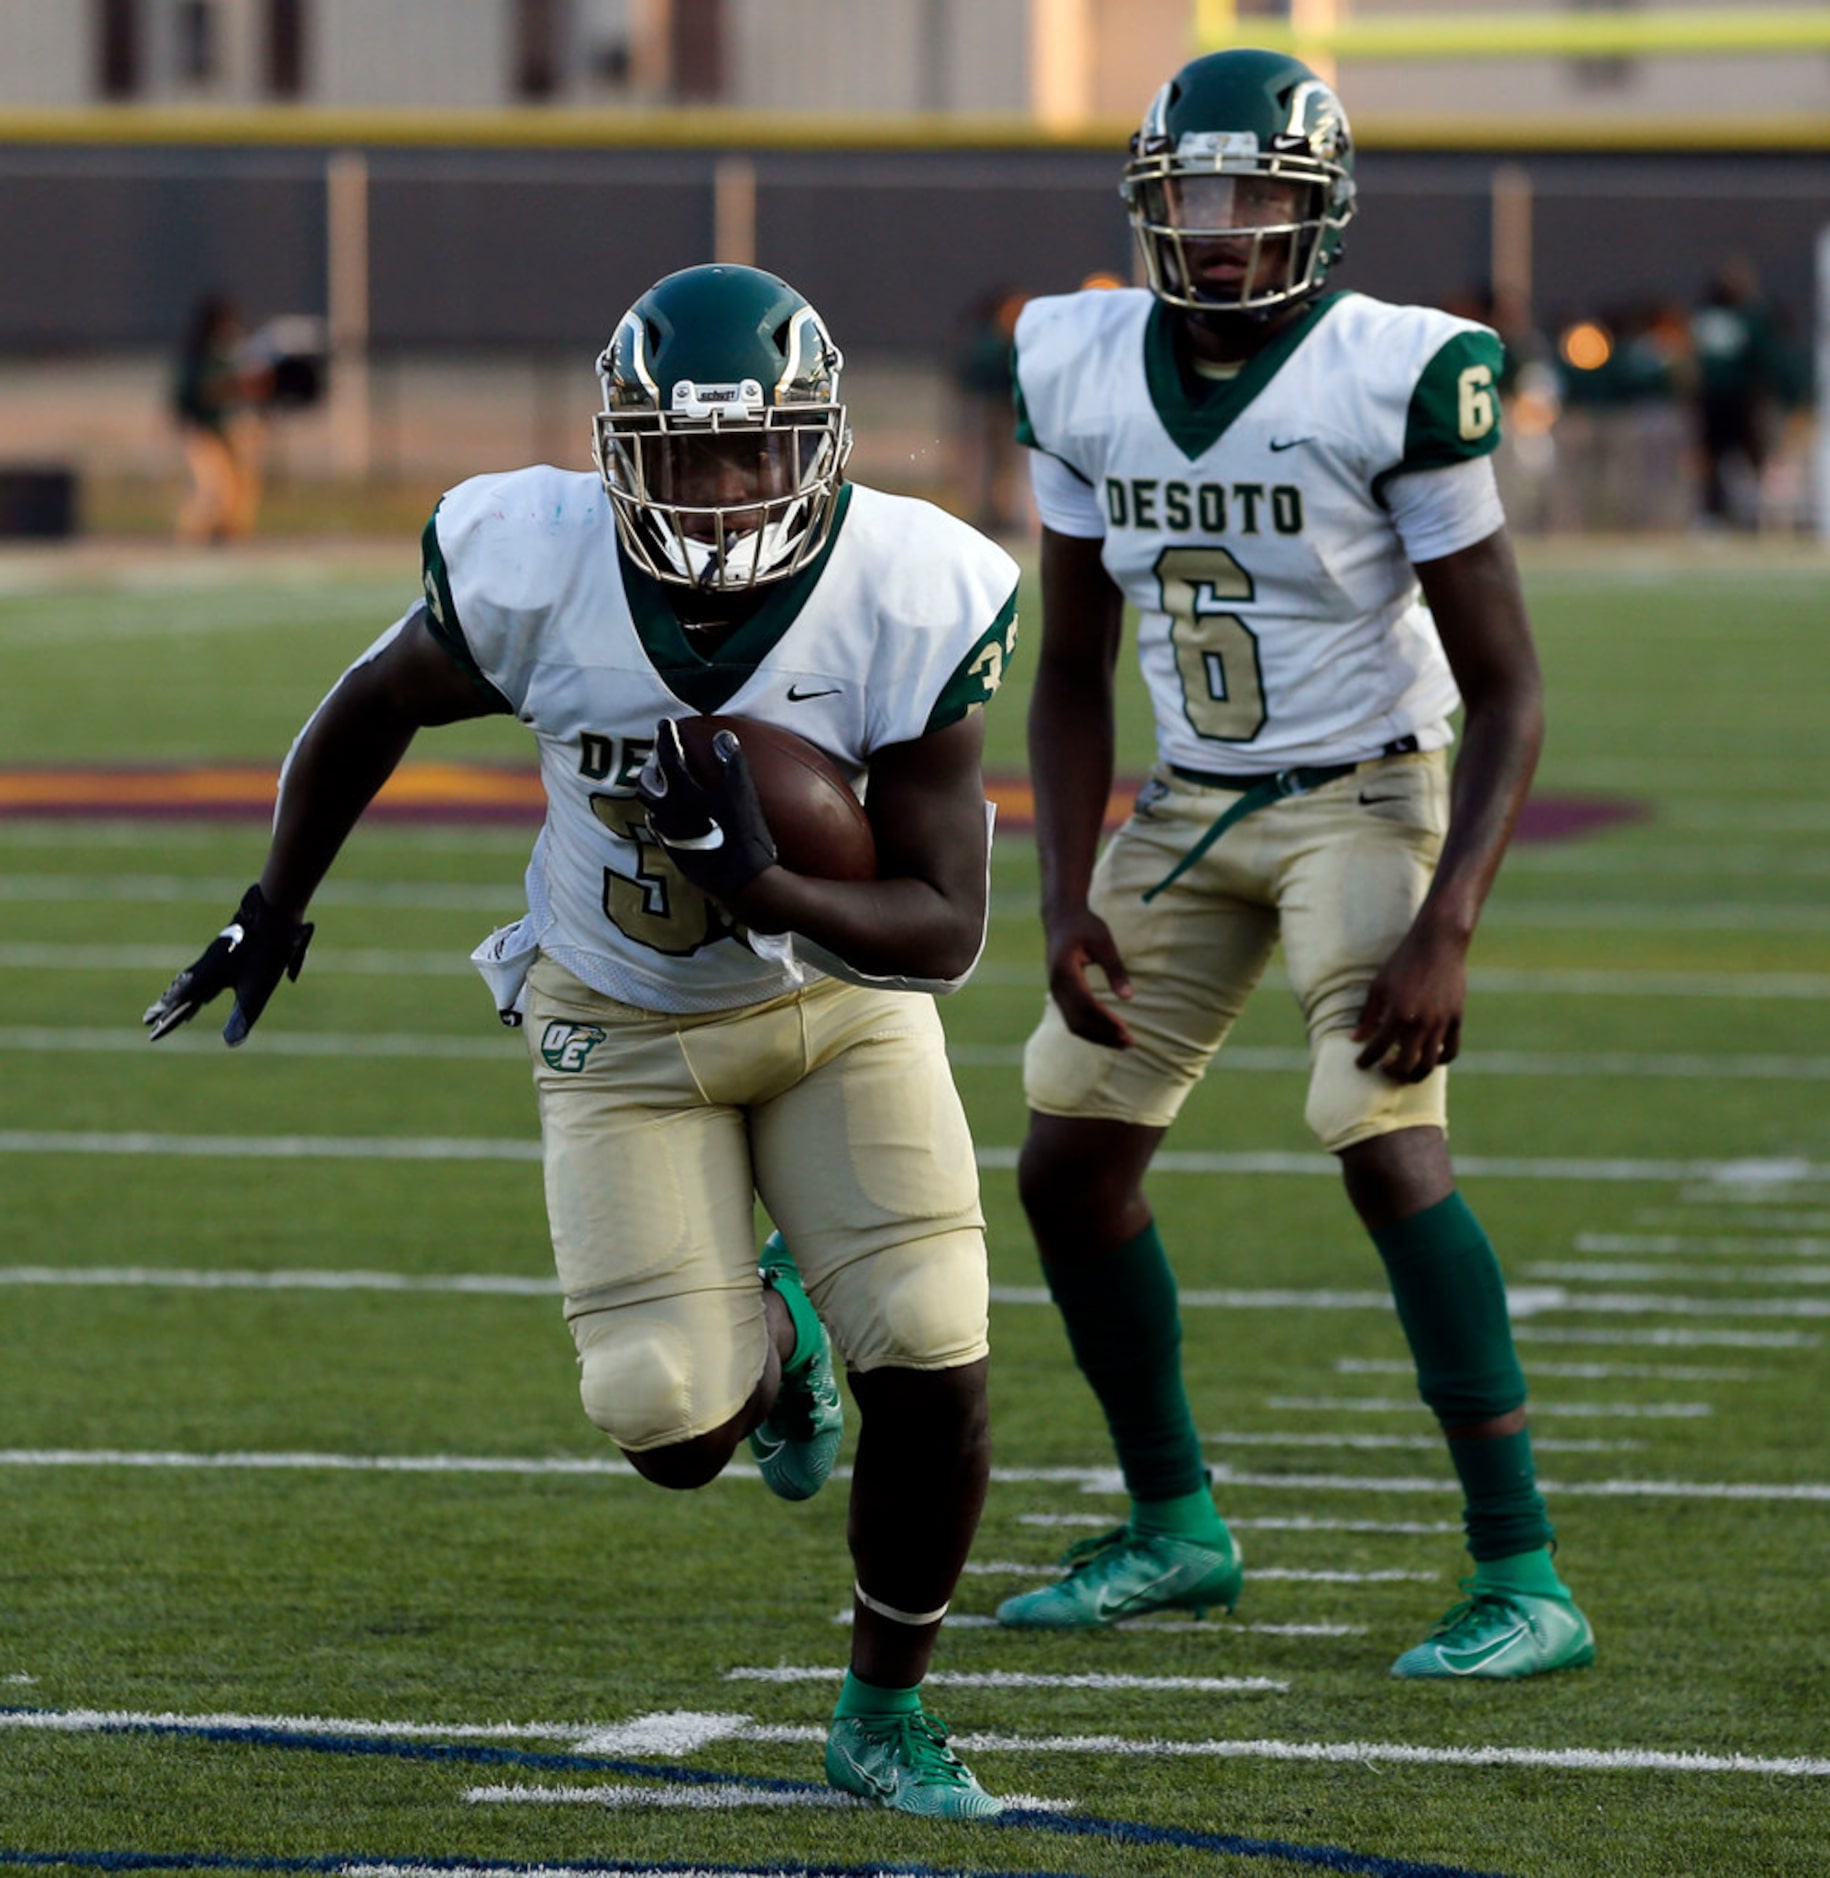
1328,1858
629,1868
343,1861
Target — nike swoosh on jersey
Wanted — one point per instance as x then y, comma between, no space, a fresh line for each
801,697
1468,1662
1288,443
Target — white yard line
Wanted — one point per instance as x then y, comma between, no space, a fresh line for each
1672,1339
1407,1527
1628,1272
1668,1245
68,834
1577,1372
1030,1568
1027,1679
502,901
272,1147
1660,861
1585,1760
496,1045
1651,1760
1102,1480
1156,1626
1757,1212
308,1462
710,1797
1748,1171
499,903
1413,1444
162,961
1601,981
1524,1301
1738,1066
1753,1201
1606,982
477,1284
1225,1476
1759,916
98,1721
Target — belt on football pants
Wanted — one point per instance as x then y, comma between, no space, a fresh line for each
1256,792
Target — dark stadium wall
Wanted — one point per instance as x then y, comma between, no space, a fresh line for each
539,251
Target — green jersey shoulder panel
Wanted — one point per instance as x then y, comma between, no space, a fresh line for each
1455,409
978,675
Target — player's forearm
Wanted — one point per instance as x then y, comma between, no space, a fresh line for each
350,748
1071,747
903,928
1501,740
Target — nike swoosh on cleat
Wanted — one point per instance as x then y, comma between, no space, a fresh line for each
765,1450
801,697
1109,1606
875,1782
1469,1662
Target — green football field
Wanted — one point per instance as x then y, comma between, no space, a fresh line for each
309,1560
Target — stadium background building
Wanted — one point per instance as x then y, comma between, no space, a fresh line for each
468,191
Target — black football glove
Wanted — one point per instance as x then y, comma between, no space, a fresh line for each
249,956
715,834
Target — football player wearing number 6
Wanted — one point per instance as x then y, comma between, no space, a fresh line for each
1270,472
706,1026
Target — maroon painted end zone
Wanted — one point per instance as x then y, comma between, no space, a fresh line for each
510,794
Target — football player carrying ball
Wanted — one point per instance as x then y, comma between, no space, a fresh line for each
705,1025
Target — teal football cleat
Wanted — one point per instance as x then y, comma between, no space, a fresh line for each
798,1441
1495,1633
903,1762
1123,1574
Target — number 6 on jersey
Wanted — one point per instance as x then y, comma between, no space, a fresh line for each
1216,653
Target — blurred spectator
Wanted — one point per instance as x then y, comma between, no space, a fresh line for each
993,481
215,398
1741,376
1626,383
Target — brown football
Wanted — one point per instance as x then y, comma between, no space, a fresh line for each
819,825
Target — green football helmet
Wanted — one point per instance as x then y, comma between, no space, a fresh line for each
722,442
1240,184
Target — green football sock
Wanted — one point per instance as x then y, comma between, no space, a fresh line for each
1504,1512
774,1257
1531,1572
1126,1333
1451,1301
1188,1516
859,1699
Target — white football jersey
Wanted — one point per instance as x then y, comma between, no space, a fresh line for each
1280,621
900,627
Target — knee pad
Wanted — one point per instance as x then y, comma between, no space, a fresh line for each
922,1305
647,1384
1348,1104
